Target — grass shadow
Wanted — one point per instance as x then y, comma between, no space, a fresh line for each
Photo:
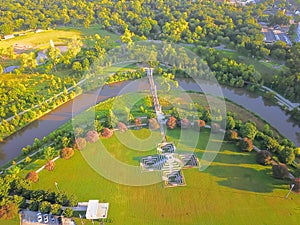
243,178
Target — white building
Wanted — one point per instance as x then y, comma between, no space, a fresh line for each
96,210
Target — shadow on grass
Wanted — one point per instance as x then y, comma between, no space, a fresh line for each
242,178
234,157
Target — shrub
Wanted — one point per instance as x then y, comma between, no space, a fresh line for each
67,153
246,144
80,143
106,132
92,136
50,165
122,127
171,123
264,157
153,124
32,176
280,171
185,123
287,155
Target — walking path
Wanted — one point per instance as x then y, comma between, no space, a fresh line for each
159,114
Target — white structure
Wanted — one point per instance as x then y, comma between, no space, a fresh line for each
9,36
96,210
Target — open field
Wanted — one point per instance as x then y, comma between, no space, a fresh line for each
233,190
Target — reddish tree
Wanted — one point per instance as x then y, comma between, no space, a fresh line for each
215,127
138,122
67,153
171,122
153,124
200,123
280,171
8,211
122,127
264,157
92,136
185,123
50,165
32,176
246,144
107,133
80,143
231,135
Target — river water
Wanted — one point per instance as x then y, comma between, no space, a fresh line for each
272,113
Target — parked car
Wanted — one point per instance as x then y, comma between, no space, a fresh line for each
39,217
46,218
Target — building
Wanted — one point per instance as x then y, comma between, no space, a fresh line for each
275,34
8,36
96,210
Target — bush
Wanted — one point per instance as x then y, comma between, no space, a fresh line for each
50,165
122,127
185,123
171,123
201,123
264,157
8,211
92,136
287,155
280,171
67,153
32,176
106,132
80,143
246,144
153,124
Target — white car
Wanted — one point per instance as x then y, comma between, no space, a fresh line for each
46,218
39,217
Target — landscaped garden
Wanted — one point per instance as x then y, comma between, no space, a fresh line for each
234,189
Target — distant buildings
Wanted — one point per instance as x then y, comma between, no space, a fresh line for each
275,34
9,36
298,33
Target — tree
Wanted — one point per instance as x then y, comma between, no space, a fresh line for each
153,124
92,136
50,165
67,153
1,69
171,123
287,155
122,127
231,135
215,127
248,130
280,171
8,209
264,157
200,123
127,37
230,123
185,123
246,144
106,133
138,123
33,205
32,176
68,212
80,143
77,67
45,207
56,209
49,153
112,120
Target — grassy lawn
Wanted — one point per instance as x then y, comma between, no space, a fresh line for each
233,190
41,40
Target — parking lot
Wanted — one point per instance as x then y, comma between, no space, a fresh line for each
35,218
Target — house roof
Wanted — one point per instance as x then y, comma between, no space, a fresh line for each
96,210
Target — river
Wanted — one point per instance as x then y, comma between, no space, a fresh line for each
269,111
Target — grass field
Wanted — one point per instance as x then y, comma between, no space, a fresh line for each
233,190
